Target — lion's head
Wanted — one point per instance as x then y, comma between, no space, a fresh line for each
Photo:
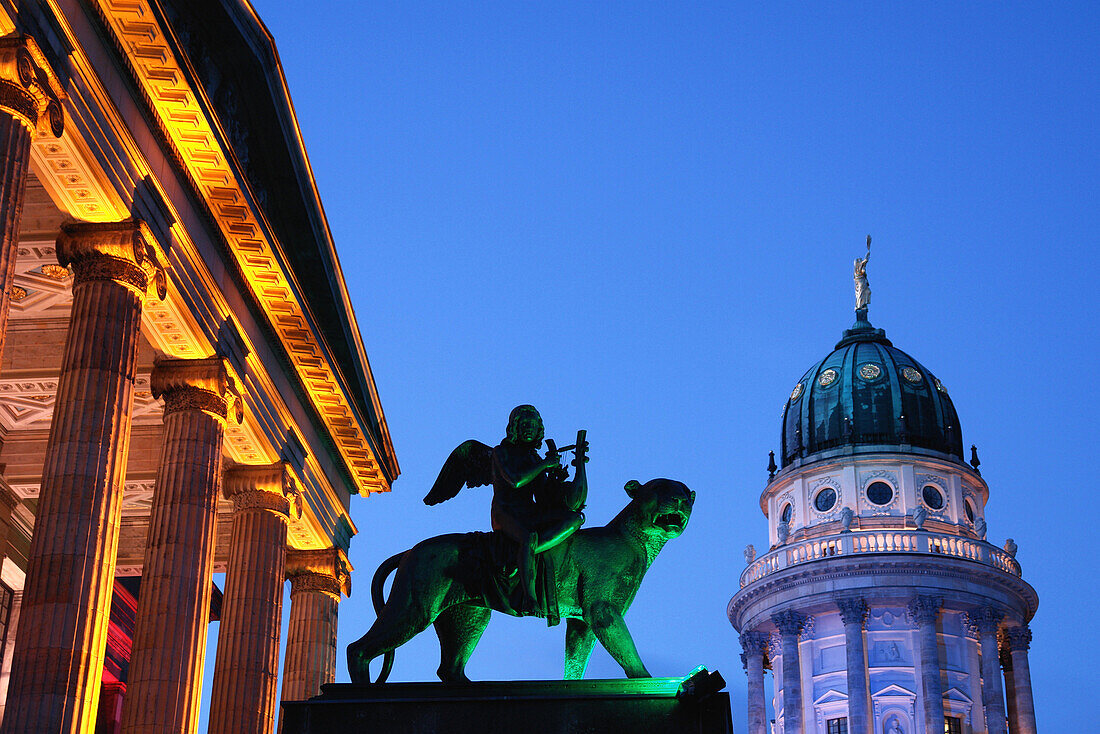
664,505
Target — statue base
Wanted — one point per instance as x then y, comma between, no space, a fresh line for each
647,706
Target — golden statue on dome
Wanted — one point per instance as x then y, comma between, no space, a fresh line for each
863,288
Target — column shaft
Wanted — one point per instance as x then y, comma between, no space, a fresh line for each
15,149
987,621
67,599
244,697
1019,639
925,611
790,625
165,679
1010,690
753,644
853,612
310,641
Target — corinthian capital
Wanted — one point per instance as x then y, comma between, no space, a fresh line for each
925,609
754,643
29,88
206,385
125,252
985,620
1016,638
789,622
852,610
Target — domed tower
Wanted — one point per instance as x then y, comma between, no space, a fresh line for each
880,606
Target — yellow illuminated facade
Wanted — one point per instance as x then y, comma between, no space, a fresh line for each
183,387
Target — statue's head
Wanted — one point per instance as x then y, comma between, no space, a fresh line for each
525,426
664,505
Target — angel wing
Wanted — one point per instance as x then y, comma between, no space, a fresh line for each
469,464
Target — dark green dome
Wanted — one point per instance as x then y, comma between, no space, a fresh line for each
869,393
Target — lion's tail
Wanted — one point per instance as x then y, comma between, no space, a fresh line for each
377,592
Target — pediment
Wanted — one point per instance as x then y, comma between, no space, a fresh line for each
893,690
831,696
954,694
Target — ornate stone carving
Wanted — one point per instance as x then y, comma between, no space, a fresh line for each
775,646
29,89
925,609
754,642
852,610
317,583
1011,547
330,563
985,620
124,252
789,622
846,517
207,385
980,527
267,487
750,554
919,516
1016,638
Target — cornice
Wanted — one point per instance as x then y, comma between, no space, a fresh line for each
191,128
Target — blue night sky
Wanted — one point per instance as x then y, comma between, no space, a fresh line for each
641,217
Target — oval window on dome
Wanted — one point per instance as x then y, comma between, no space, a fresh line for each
969,510
933,497
785,515
880,493
912,376
797,392
870,371
825,499
826,378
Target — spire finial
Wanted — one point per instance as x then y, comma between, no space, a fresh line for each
863,288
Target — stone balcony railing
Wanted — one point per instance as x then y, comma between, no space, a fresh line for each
859,543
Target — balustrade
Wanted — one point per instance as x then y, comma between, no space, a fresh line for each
879,541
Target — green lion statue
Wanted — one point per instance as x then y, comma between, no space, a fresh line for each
588,576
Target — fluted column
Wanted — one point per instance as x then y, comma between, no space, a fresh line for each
1018,641
789,624
987,621
165,679
243,701
317,577
70,573
925,610
853,613
30,102
754,645
1010,685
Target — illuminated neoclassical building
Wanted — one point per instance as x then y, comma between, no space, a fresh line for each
880,606
183,388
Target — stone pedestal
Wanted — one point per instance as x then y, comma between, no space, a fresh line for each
638,706
247,662
853,613
67,598
754,645
317,578
30,101
790,624
988,620
1018,641
925,610
165,679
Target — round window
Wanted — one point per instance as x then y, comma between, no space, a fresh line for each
969,511
933,497
785,515
880,493
825,499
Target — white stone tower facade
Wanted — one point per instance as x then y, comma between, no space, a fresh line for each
879,606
